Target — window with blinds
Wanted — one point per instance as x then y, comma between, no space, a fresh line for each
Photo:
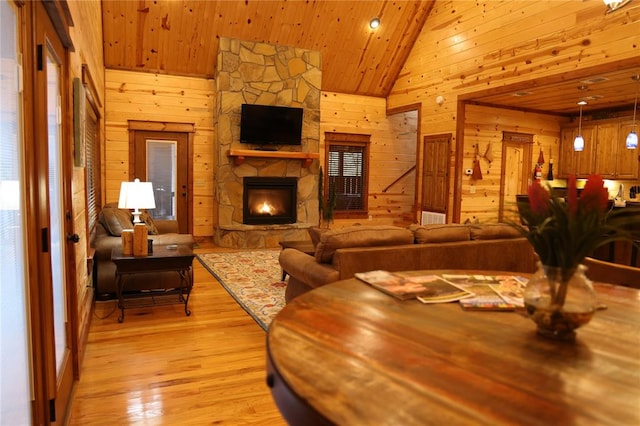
347,159
92,164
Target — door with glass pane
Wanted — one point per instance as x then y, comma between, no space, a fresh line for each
54,216
162,158
15,373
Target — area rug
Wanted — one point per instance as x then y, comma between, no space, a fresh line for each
252,278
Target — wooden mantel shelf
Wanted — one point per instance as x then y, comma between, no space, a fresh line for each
240,154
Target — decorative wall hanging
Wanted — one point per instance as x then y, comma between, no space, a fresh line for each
488,153
477,173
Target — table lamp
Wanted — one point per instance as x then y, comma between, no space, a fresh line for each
136,195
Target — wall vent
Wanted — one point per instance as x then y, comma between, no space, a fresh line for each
429,218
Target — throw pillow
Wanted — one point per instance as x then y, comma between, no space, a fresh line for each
115,220
152,229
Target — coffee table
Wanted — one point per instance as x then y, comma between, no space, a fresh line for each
345,353
170,258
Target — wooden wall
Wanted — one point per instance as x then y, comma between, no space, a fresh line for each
86,35
162,98
392,152
484,126
467,47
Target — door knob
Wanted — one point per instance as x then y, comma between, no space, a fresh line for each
73,237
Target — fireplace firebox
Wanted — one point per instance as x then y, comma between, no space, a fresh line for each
269,200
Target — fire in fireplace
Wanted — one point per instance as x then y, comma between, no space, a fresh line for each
269,200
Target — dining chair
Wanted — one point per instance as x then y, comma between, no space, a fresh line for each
613,273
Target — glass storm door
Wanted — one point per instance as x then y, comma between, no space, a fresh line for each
56,208
161,170
15,374
54,213
162,159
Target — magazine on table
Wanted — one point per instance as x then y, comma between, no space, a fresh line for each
511,289
491,293
426,288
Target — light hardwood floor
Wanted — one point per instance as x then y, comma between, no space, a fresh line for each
160,367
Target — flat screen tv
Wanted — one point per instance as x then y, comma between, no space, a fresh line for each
270,125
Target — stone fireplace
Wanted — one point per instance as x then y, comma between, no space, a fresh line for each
269,200
265,74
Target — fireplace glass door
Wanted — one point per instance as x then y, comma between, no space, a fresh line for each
269,200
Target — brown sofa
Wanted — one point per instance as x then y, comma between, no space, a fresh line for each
341,253
108,235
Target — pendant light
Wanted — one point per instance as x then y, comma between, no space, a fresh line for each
632,137
578,142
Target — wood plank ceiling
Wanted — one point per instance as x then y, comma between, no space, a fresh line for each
181,37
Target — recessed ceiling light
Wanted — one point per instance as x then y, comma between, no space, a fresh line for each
523,93
374,23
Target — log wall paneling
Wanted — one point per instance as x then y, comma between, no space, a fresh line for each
86,36
161,98
484,126
392,152
465,48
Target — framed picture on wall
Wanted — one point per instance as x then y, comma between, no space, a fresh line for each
79,100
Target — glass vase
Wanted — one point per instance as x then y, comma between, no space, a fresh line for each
559,301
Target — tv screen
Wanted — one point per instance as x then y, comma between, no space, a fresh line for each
270,125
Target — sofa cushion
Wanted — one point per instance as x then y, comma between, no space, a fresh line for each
115,220
360,236
442,233
493,231
315,232
148,220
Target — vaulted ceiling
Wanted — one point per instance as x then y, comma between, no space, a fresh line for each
180,37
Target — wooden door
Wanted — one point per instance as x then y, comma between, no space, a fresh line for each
163,158
54,294
435,173
516,172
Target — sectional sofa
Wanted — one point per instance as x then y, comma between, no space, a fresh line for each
341,253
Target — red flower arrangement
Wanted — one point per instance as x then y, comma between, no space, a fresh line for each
563,233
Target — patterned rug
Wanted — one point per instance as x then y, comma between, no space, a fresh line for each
252,278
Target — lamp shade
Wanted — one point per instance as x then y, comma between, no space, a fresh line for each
632,140
578,143
136,195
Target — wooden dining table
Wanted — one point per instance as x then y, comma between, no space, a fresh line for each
348,354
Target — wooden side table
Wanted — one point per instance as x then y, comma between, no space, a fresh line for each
171,258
